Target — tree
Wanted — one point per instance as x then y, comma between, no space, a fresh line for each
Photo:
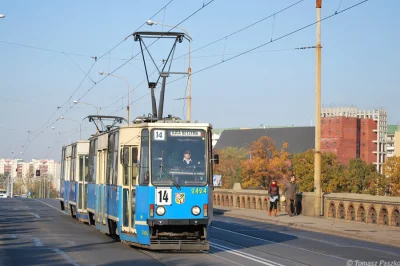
3,181
364,178
229,166
391,169
332,172
266,162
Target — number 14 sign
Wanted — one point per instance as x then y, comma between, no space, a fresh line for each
163,196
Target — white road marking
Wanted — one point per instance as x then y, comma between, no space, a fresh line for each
223,258
340,245
34,214
290,246
245,255
37,242
314,239
51,206
66,257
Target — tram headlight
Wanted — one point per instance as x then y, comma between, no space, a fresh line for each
196,210
160,211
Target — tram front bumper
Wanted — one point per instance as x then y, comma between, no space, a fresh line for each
179,245
152,222
178,234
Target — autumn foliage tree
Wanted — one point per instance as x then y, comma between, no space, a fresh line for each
229,166
391,170
265,162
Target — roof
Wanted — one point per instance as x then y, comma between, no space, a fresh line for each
219,130
391,129
299,139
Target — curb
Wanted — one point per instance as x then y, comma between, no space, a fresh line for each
309,228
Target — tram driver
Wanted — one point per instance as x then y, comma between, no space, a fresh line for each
187,160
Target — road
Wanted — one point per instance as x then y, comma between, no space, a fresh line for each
37,232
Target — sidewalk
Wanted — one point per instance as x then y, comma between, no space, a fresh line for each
387,235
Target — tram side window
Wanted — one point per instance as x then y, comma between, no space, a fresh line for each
86,173
134,165
144,158
92,159
115,159
81,167
62,164
94,176
125,165
110,156
73,164
210,156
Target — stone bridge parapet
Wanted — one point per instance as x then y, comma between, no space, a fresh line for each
379,210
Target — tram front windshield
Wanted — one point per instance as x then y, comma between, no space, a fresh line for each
178,157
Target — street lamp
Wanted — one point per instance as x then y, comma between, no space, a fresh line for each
127,107
80,126
2,16
97,108
189,98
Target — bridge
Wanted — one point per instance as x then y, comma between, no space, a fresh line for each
36,232
377,210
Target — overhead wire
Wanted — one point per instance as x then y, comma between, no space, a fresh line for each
44,49
242,29
204,5
96,59
231,34
274,40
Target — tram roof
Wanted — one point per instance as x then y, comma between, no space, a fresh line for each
168,125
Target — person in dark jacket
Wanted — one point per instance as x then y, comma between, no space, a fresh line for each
290,191
273,193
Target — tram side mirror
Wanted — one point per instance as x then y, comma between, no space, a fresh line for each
216,159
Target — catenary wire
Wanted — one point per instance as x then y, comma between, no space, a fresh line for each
204,5
274,40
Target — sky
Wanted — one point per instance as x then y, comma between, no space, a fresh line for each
48,51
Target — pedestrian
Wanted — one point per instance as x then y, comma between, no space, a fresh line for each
273,193
290,191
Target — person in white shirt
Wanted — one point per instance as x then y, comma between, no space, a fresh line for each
187,161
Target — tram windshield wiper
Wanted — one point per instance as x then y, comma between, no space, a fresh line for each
170,177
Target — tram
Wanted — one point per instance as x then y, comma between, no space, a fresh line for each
148,183
73,179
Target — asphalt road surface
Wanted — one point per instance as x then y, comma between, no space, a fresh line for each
37,232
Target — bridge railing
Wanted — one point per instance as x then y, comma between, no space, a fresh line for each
379,210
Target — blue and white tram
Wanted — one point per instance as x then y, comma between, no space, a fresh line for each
143,188
74,177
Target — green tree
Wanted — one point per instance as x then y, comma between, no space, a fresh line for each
364,178
229,166
332,172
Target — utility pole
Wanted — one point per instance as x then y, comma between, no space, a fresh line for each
317,156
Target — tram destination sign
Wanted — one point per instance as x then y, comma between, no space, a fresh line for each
185,133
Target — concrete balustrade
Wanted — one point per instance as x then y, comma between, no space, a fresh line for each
379,210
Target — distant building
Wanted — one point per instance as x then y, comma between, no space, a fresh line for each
391,141
397,144
299,139
21,171
353,133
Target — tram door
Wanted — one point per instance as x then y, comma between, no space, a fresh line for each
83,178
101,200
129,161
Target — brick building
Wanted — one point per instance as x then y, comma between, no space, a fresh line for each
351,133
